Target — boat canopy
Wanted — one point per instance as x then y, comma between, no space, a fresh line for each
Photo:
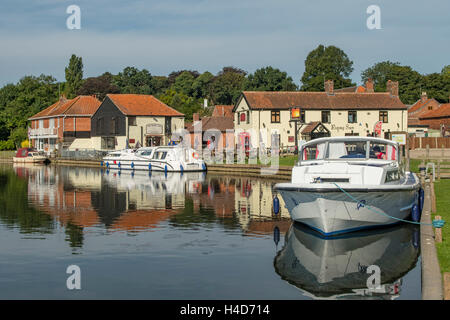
346,148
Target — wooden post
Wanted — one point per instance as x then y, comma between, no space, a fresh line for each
433,197
428,152
442,152
407,154
447,286
439,169
438,231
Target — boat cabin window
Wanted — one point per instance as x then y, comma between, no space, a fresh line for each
114,155
145,153
382,151
314,152
160,155
347,150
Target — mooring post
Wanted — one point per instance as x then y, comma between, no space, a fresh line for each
438,231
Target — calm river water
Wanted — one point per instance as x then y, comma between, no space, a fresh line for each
190,236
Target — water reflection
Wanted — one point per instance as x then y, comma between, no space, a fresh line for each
79,198
336,268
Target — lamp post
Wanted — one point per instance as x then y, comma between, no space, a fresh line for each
296,118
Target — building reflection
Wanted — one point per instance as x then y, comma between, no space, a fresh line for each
127,201
336,268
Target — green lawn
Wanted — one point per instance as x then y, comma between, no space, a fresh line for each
442,191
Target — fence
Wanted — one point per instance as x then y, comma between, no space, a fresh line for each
432,142
82,154
7,154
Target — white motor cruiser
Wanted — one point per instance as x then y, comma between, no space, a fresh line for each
344,184
165,158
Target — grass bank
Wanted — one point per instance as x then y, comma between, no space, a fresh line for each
442,191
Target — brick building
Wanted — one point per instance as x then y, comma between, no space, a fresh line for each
62,123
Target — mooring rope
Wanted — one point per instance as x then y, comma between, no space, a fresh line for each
362,203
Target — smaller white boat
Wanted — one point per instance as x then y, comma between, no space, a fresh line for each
344,184
28,155
165,158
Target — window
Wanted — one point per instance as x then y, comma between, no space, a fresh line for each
275,116
384,116
132,121
326,116
242,116
108,143
430,107
352,116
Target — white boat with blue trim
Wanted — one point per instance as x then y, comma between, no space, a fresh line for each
344,184
164,158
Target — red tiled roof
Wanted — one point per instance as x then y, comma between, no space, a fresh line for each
419,105
310,127
219,123
142,105
441,112
223,111
81,105
322,100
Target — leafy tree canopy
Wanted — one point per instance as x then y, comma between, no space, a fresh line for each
100,86
270,79
74,75
133,80
326,63
227,86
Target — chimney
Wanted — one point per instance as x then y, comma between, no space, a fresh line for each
423,97
329,86
369,85
392,87
205,103
196,117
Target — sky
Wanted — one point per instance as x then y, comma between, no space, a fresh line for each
205,35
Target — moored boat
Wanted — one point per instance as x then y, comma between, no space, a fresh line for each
345,184
164,158
29,155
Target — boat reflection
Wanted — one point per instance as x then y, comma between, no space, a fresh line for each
79,198
336,268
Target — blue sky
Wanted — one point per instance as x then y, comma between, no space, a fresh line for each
163,36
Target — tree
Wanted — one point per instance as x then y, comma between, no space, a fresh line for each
133,80
326,63
160,84
270,79
201,88
100,86
173,75
20,101
181,102
437,86
74,75
227,86
410,81
183,83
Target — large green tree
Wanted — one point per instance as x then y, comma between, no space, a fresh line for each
181,102
326,63
74,75
270,79
133,80
183,83
410,81
20,101
201,87
99,86
227,86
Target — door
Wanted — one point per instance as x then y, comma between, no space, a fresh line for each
152,141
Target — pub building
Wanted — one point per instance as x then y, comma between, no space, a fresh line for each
262,117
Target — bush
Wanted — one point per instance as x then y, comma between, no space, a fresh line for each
25,144
7,145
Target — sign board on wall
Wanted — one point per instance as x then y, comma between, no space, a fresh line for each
400,138
154,128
